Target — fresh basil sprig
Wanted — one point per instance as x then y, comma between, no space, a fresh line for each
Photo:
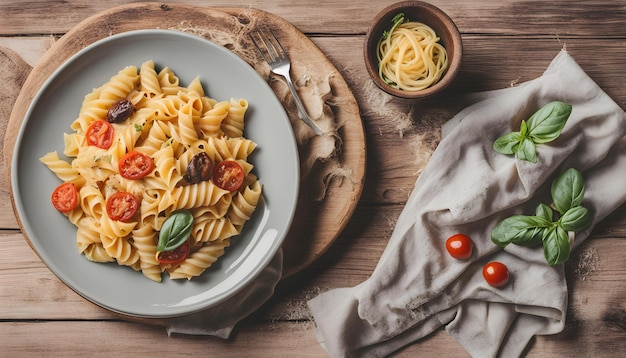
567,190
175,230
543,126
396,20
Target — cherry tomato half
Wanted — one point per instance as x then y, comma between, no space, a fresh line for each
175,256
122,206
496,274
100,134
135,165
459,246
65,197
228,175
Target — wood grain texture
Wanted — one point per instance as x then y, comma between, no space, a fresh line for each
557,18
505,43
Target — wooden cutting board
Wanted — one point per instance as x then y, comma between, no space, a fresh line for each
317,222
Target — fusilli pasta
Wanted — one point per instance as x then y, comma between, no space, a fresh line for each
171,124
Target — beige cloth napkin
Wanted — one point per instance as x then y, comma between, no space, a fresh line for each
220,320
468,188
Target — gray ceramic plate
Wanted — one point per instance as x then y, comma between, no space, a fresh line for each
224,76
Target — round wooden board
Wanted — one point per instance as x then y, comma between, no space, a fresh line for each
317,223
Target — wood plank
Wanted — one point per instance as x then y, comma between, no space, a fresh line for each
29,289
277,339
507,17
257,340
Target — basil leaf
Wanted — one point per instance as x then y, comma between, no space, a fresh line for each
175,230
547,123
527,151
544,211
508,143
576,219
568,190
520,230
543,126
556,246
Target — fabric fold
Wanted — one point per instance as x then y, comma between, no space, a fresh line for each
220,320
468,188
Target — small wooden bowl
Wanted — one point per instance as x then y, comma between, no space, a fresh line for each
425,13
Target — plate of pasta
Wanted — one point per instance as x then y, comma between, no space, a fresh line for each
155,173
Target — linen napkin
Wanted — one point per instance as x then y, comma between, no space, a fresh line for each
220,320
467,187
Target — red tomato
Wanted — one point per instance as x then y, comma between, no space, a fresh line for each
135,165
496,274
228,175
175,256
122,206
65,197
459,246
100,134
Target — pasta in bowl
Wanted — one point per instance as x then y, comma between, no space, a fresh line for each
236,232
413,50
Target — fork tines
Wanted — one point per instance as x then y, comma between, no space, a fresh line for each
267,43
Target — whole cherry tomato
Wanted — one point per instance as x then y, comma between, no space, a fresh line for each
496,274
100,134
459,246
65,197
135,165
175,256
228,175
122,206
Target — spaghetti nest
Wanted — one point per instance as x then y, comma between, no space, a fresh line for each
410,56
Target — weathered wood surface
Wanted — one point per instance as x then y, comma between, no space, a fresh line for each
505,43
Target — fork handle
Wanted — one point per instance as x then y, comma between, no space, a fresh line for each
303,114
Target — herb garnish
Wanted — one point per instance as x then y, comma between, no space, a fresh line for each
542,127
175,230
567,192
396,20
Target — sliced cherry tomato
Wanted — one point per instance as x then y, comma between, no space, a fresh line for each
459,246
135,165
496,274
122,206
175,256
65,197
228,175
100,134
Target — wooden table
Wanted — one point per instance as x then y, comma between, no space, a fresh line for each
505,42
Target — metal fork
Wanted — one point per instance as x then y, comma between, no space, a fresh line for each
274,54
